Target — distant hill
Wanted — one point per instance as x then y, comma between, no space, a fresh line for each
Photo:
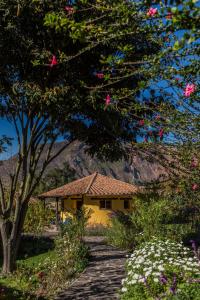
139,171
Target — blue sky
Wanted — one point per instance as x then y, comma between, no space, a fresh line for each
7,129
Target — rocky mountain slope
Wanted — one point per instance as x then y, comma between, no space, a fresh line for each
139,171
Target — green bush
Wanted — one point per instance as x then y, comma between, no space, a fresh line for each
162,269
37,218
155,216
121,233
151,216
75,227
148,217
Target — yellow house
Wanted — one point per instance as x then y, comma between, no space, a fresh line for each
99,193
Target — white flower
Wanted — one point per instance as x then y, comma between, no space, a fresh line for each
157,255
123,281
155,280
130,272
147,273
133,281
141,260
135,276
124,289
190,259
161,268
156,274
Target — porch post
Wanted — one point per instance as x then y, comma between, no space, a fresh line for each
44,203
57,217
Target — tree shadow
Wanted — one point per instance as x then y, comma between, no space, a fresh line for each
31,246
35,245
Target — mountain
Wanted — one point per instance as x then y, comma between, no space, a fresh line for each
140,170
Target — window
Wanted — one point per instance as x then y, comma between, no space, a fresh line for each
105,204
126,204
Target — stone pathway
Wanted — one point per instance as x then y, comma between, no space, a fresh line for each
102,278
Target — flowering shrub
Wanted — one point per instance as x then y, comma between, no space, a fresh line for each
162,269
46,274
71,256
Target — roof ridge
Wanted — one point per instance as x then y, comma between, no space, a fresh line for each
115,179
67,184
91,182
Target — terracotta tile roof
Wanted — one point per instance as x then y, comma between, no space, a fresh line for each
93,185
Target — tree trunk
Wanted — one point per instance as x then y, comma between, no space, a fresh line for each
10,248
9,257
11,237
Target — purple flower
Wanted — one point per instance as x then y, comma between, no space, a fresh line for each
163,279
172,290
173,287
194,246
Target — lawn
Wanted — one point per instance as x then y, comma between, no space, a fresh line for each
20,284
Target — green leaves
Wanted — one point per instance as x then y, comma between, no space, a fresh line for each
177,45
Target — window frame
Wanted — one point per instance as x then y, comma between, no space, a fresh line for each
105,204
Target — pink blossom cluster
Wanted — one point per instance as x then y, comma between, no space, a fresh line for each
190,88
54,61
69,9
108,99
152,12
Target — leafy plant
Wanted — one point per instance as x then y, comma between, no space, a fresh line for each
37,217
161,269
121,233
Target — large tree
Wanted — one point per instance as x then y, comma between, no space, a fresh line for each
74,71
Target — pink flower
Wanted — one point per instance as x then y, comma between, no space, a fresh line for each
190,88
141,122
53,61
160,133
194,163
100,75
195,187
69,9
108,99
152,12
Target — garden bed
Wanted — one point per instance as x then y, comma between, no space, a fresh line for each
46,265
